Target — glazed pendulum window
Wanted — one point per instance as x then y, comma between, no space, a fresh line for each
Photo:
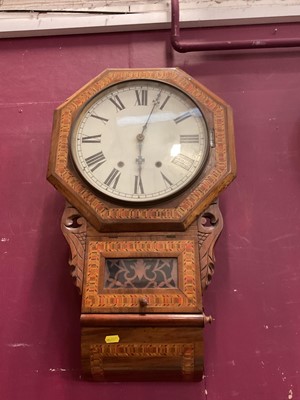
141,273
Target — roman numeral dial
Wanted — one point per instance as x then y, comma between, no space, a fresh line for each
138,185
117,102
189,138
91,139
95,161
139,141
182,117
113,178
141,97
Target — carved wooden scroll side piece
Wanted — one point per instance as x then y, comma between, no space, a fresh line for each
210,225
74,227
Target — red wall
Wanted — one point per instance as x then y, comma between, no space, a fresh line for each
252,348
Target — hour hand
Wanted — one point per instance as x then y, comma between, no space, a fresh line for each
140,160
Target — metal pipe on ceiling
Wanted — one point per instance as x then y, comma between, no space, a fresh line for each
184,46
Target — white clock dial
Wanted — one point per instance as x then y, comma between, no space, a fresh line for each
140,141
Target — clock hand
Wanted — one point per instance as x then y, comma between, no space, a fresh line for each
141,136
140,160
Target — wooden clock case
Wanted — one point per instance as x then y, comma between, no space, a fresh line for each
153,331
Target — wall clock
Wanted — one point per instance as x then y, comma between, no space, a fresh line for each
141,156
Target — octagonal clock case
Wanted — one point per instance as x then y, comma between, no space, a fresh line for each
140,156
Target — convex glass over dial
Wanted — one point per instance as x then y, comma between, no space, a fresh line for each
140,141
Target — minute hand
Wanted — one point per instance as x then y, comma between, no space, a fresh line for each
141,136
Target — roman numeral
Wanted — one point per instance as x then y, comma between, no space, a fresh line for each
91,139
113,178
95,160
138,185
189,138
141,97
104,120
164,103
117,102
166,180
183,161
182,117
